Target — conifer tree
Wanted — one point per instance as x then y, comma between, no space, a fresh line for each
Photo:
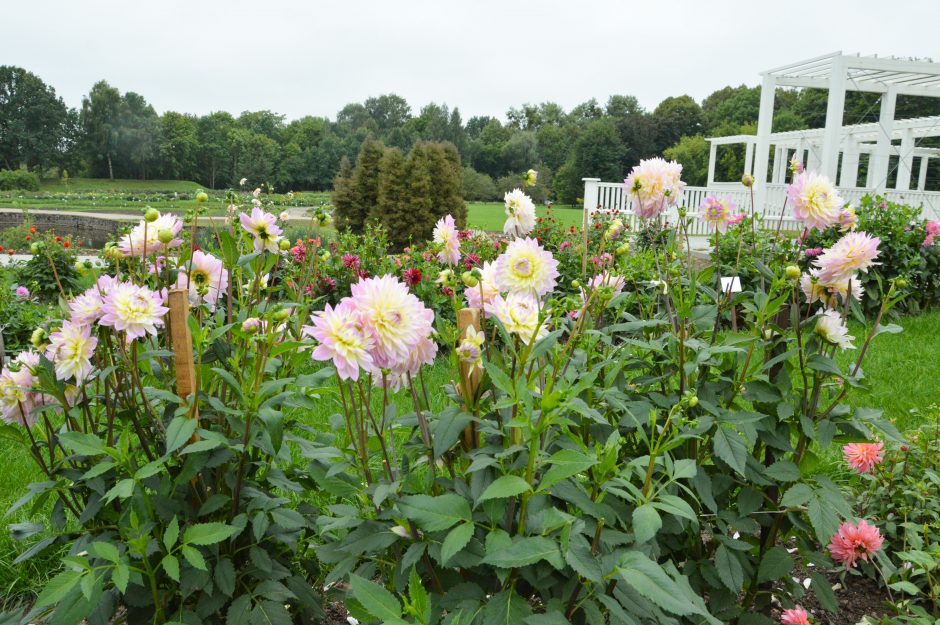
447,189
343,197
418,218
391,208
365,185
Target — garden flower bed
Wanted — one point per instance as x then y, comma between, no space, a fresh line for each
554,426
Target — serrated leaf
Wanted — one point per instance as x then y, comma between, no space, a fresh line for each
456,540
775,564
506,608
822,589
378,601
565,463
729,569
731,448
208,533
105,551
525,552
194,558
179,432
59,586
171,565
650,580
225,576
783,471
434,514
503,487
81,443
646,522
120,576
270,612
172,533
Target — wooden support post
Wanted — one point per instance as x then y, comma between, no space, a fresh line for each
469,380
182,342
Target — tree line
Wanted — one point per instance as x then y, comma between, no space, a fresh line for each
120,135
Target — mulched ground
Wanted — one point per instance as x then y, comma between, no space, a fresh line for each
857,597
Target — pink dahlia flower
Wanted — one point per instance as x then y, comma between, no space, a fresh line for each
526,267
654,185
445,235
863,457
133,309
263,227
855,251
207,279
816,203
397,319
17,398
86,308
486,290
852,542
717,211
70,350
796,616
22,292
143,239
342,339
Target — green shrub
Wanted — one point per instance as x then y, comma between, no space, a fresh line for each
903,254
11,179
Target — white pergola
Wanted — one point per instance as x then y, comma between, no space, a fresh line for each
839,73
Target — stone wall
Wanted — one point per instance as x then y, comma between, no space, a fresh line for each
86,227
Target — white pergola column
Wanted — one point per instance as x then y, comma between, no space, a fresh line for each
591,197
765,121
922,174
712,156
779,165
848,177
878,165
835,107
813,160
748,157
906,161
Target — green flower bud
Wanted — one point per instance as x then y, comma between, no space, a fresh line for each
575,284
747,180
165,236
35,248
623,249
325,256
901,283
693,401
281,315
284,245
39,338
792,272
151,215
469,279
202,196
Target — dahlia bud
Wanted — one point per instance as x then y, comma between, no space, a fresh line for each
325,256
202,196
747,180
283,245
251,325
151,215
35,248
445,277
693,401
281,315
792,272
469,279
575,284
39,338
531,177
901,283
165,236
623,249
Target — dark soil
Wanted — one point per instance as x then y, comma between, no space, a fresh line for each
857,596
335,614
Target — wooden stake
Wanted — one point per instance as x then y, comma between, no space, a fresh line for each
182,342
469,380
584,243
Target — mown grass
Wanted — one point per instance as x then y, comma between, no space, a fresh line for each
490,216
118,186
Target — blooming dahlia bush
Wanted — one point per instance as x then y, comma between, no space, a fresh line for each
170,499
594,460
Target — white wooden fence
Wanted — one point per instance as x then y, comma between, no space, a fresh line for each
612,197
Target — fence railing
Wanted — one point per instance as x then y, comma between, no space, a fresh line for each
612,198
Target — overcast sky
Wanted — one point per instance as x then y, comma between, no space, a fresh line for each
311,58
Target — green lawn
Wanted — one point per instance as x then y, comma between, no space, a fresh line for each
490,216
104,185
